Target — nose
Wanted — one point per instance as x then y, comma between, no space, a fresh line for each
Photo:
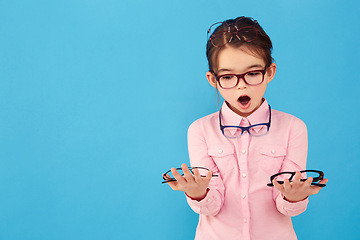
241,83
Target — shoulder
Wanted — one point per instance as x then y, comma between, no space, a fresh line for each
201,124
285,119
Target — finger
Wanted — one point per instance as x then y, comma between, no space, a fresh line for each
287,185
325,180
173,185
178,176
278,186
187,174
166,176
297,178
316,189
308,181
209,174
197,175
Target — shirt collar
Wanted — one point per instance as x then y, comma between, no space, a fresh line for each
230,118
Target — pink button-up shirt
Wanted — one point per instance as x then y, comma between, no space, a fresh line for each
239,204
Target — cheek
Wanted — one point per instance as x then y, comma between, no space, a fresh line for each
228,95
261,90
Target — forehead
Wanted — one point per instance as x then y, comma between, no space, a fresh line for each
238,59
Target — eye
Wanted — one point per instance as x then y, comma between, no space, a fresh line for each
254,74
227,77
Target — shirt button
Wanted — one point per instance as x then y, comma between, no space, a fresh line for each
243,151
273,151
244,174
209,200
243,195
220,151
245,220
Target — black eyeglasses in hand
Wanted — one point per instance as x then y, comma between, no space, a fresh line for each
168,177
315,174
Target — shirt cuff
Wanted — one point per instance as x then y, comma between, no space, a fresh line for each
202,202
291,208
209,206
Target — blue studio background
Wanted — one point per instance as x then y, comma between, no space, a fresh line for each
96,97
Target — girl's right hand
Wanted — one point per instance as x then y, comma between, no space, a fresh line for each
194,186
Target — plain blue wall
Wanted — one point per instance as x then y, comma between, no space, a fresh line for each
96,97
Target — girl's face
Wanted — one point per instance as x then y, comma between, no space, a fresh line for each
243,99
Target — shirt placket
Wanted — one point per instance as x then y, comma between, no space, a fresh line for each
242,155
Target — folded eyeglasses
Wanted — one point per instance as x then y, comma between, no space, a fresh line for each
315,174
168,177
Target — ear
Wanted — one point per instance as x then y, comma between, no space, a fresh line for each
270,72
211,78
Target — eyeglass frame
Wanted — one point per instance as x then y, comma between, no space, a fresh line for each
190,169
246,129
314,182
240,76
229,31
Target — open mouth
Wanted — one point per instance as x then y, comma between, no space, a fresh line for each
244,100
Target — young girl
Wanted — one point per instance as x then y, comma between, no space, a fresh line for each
244,144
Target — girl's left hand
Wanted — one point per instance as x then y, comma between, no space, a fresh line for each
297,190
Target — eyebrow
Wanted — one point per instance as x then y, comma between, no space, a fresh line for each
229,70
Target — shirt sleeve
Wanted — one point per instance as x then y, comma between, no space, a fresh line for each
199,157
295,160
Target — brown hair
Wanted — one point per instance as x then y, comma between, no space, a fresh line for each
260,46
